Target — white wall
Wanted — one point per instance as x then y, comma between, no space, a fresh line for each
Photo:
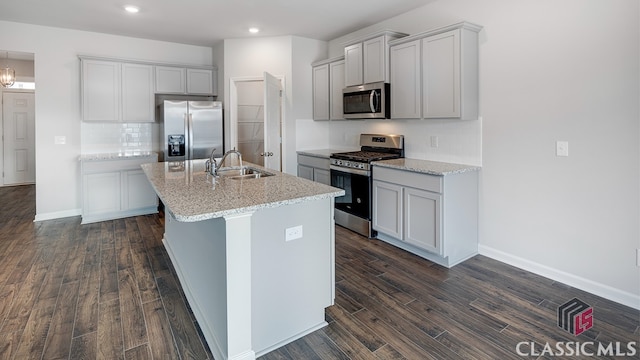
280,56
57,74
549,70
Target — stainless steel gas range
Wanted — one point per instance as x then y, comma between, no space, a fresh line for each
351,171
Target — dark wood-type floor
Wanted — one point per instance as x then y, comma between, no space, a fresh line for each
108,291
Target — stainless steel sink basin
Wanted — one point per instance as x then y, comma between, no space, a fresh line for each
245,172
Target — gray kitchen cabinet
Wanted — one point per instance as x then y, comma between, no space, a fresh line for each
433,216
447,70
116,92
314,168
171,80
406,81
116,188
336,84
367,59
328,82
320,92
181,80
138,99
101,90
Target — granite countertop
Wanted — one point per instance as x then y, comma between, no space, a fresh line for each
191,194
323,153
426,166
117,155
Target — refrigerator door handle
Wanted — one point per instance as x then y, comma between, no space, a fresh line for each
189,117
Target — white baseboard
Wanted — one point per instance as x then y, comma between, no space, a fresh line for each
57,215
605,291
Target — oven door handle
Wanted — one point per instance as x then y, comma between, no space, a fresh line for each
350,170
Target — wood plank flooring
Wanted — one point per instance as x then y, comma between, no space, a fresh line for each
108,291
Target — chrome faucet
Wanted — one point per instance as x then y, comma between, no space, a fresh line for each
224,157
211,166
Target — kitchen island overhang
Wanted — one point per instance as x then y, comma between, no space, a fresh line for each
251,287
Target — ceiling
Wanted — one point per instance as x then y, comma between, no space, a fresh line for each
206,22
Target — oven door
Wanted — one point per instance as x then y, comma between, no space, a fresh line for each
356,185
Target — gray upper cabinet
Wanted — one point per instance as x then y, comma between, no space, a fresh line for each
101,90
115,91
171,80
328,82
181,80
367,59
434,75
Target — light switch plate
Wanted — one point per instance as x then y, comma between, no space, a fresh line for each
562,148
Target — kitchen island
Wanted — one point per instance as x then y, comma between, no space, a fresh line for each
255,256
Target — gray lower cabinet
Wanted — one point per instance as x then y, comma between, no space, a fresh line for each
113,189
432,216
314,168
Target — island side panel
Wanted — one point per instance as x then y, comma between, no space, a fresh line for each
198,253
292,281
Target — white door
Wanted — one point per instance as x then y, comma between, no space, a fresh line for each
272,122
19,129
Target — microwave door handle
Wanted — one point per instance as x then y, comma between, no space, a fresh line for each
372,104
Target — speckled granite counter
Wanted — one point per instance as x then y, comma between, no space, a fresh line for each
191,194
426,166
117,155
323,153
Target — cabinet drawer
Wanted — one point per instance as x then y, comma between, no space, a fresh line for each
313,161
408,178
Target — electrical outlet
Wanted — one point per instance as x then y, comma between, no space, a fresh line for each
562,148
59,140
434,141
293,233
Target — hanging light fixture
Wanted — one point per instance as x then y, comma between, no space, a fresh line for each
7,75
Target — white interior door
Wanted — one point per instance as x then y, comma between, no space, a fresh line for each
18,128
272,122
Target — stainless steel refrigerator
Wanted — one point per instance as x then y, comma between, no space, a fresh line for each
191,129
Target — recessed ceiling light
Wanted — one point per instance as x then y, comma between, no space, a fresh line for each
132,9
254,30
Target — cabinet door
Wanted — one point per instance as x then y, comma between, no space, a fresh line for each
200,81
441,75
305,172
101,193
138,99
137,191
374,56
387,208
322,176
353,65
336,84
321,92
422,219
405,76
170,80
100,90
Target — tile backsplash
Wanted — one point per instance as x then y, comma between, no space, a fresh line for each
116,137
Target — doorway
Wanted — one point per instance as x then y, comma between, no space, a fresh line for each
19,145
256,119
17,117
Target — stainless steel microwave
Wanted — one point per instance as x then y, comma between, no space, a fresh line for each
368,101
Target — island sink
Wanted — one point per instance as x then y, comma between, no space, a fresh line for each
244,172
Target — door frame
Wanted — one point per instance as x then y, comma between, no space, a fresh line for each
233,115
